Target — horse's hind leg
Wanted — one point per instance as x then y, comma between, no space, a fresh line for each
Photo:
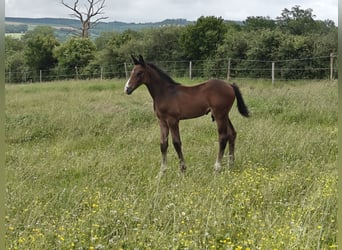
177,144
222,128
231,140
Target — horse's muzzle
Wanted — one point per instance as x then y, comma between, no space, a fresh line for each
128,90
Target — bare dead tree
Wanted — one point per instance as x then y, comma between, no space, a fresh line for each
91,9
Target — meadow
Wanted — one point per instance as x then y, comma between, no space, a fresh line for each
82,160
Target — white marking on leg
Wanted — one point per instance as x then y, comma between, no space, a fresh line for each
218,166
162,171
163,167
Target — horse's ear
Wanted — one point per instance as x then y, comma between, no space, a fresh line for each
141,61
135,61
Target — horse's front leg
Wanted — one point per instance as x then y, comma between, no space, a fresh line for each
177,144
164,133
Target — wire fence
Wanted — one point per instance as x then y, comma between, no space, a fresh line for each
324,67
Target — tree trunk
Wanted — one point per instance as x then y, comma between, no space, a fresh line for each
95,8
85,29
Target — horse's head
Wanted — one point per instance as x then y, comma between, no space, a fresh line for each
137,76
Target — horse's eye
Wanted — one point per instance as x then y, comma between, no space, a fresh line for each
140,73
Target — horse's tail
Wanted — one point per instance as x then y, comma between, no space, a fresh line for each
240,102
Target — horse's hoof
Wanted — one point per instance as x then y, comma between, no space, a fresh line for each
160,174
218,167
182,168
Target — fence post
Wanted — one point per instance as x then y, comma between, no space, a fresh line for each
273,64
228,70
76,69
190,70
101,73
40,75
126,71
331,66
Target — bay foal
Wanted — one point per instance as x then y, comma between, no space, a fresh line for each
173,102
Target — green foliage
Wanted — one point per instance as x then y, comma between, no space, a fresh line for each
297,21
259,22
14,58
163,44
200,40
324,43
76,52
113,49
12,45
81,161
39,46
235,45
264,44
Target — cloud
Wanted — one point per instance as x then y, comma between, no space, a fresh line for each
157,10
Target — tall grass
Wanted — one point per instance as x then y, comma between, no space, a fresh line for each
82,158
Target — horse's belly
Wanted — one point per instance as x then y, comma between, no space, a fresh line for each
193,111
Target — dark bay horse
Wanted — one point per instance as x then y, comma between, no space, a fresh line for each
173,102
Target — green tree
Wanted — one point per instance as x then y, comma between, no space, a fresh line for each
74,55
235,45
325,27
324,44
38,50
163,44
15,65
13,45
263,47
297,21
200,40
296,47
114,49
253,23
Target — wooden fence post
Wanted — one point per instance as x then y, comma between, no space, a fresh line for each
273,64
190,70
76,69
331,66
126,71
228,70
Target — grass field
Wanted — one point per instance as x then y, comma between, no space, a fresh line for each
82,158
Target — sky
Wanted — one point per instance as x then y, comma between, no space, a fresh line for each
140,11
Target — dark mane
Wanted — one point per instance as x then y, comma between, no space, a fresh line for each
162,74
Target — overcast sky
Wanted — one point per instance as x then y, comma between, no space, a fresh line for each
158,10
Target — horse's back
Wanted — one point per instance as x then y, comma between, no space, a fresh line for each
217,83
216,87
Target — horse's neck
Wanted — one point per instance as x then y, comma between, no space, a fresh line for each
158,87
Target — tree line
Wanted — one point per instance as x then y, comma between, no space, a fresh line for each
295,34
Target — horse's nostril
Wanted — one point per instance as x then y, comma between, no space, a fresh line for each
128,90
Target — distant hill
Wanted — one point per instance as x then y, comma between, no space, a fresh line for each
42,21
118,26
66,27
